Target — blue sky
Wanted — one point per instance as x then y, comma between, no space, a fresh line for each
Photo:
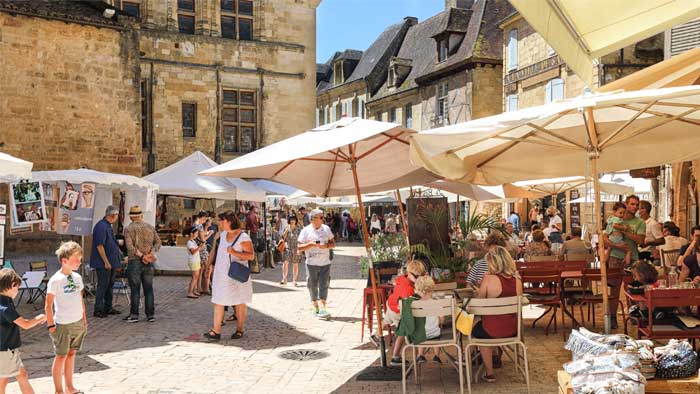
354,24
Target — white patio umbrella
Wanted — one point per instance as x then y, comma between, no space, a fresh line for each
560,185
582,31
606,132
350,156
472,192
13,169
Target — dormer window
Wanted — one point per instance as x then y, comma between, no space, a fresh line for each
399,68
443,53
338,73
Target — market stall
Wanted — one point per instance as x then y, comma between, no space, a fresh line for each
182,179
12,169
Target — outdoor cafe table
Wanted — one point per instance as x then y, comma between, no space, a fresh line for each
669,297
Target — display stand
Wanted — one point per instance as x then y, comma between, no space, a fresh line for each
653,386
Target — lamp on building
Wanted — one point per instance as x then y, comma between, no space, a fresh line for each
108,13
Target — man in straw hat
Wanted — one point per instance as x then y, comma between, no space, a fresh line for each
141,242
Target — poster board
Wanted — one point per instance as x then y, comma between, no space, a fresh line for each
575,208
428,220
3,220
27,201
76,208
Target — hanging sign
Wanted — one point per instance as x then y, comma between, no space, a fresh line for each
76,208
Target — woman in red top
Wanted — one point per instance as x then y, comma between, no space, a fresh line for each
501,281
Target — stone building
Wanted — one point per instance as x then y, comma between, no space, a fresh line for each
161,79
444,70
350,78
447,70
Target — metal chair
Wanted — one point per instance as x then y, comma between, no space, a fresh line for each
32,282
434,309
669,258
498,306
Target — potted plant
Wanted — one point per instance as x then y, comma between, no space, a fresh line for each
387,249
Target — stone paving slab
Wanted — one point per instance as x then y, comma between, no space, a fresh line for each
169,356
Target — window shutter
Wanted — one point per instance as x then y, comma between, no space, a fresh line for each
548,93
333,112
557,89
513,50
685,37
350,114
317,117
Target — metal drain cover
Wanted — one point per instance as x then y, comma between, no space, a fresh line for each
303,355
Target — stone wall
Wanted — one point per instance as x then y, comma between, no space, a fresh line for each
62,109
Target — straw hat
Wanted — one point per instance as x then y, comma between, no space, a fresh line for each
135,211
552,210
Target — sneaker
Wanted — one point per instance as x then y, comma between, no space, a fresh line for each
322,313
421,360
489,378
395,362
114,312
151,319
131,319
315,310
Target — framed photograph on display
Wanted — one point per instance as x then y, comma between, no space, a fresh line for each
27,200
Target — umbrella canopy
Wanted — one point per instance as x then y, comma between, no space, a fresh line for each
101,178
580,36
511,193
471,192
13,169
183,179
624,130
274,188
560,185
319,160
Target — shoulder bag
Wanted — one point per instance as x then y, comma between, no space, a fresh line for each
236,270
465,320
282,244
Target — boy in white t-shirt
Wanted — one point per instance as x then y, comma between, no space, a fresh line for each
194,260
424,287
65,315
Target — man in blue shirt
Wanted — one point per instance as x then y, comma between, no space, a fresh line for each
105,259
514,219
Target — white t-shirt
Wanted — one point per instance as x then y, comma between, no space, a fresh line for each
193,258
552,221
316,256
654,231
68,304
432,327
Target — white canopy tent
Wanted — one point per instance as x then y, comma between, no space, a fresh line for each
138,191
13,169
182,179
274,188
580,31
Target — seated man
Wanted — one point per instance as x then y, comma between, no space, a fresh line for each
575,245
477,271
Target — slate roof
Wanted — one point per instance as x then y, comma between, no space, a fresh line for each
83,12
350,54
370,57
455,20
483,40
324,71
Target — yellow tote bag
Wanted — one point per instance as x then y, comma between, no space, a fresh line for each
465,320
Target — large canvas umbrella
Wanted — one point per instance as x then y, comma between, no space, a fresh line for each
350,156
555,186
581,136
13,169
582,31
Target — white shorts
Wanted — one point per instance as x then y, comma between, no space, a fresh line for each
10,363
391,318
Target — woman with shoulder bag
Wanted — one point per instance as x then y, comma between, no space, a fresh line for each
235,247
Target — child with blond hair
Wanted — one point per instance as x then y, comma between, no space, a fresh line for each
65,315
424,287
10,322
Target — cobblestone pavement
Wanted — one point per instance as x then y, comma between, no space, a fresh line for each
169,356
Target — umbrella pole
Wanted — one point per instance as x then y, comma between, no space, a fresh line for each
403,217
373,280
593,134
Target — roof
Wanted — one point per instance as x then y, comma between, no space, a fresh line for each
420,48
455,20
325,72
483,40
82,12
375,52
350,54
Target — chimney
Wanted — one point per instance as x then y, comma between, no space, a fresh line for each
412,20
458,4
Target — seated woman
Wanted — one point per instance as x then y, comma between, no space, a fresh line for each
500,281
538,247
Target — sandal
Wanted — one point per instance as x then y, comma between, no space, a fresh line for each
232,317
237,335
192,296
489,378
212,335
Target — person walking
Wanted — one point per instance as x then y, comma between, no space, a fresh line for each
291,251
235,247
105,259
316,240
142,242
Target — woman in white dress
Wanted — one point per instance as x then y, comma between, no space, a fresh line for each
235,247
